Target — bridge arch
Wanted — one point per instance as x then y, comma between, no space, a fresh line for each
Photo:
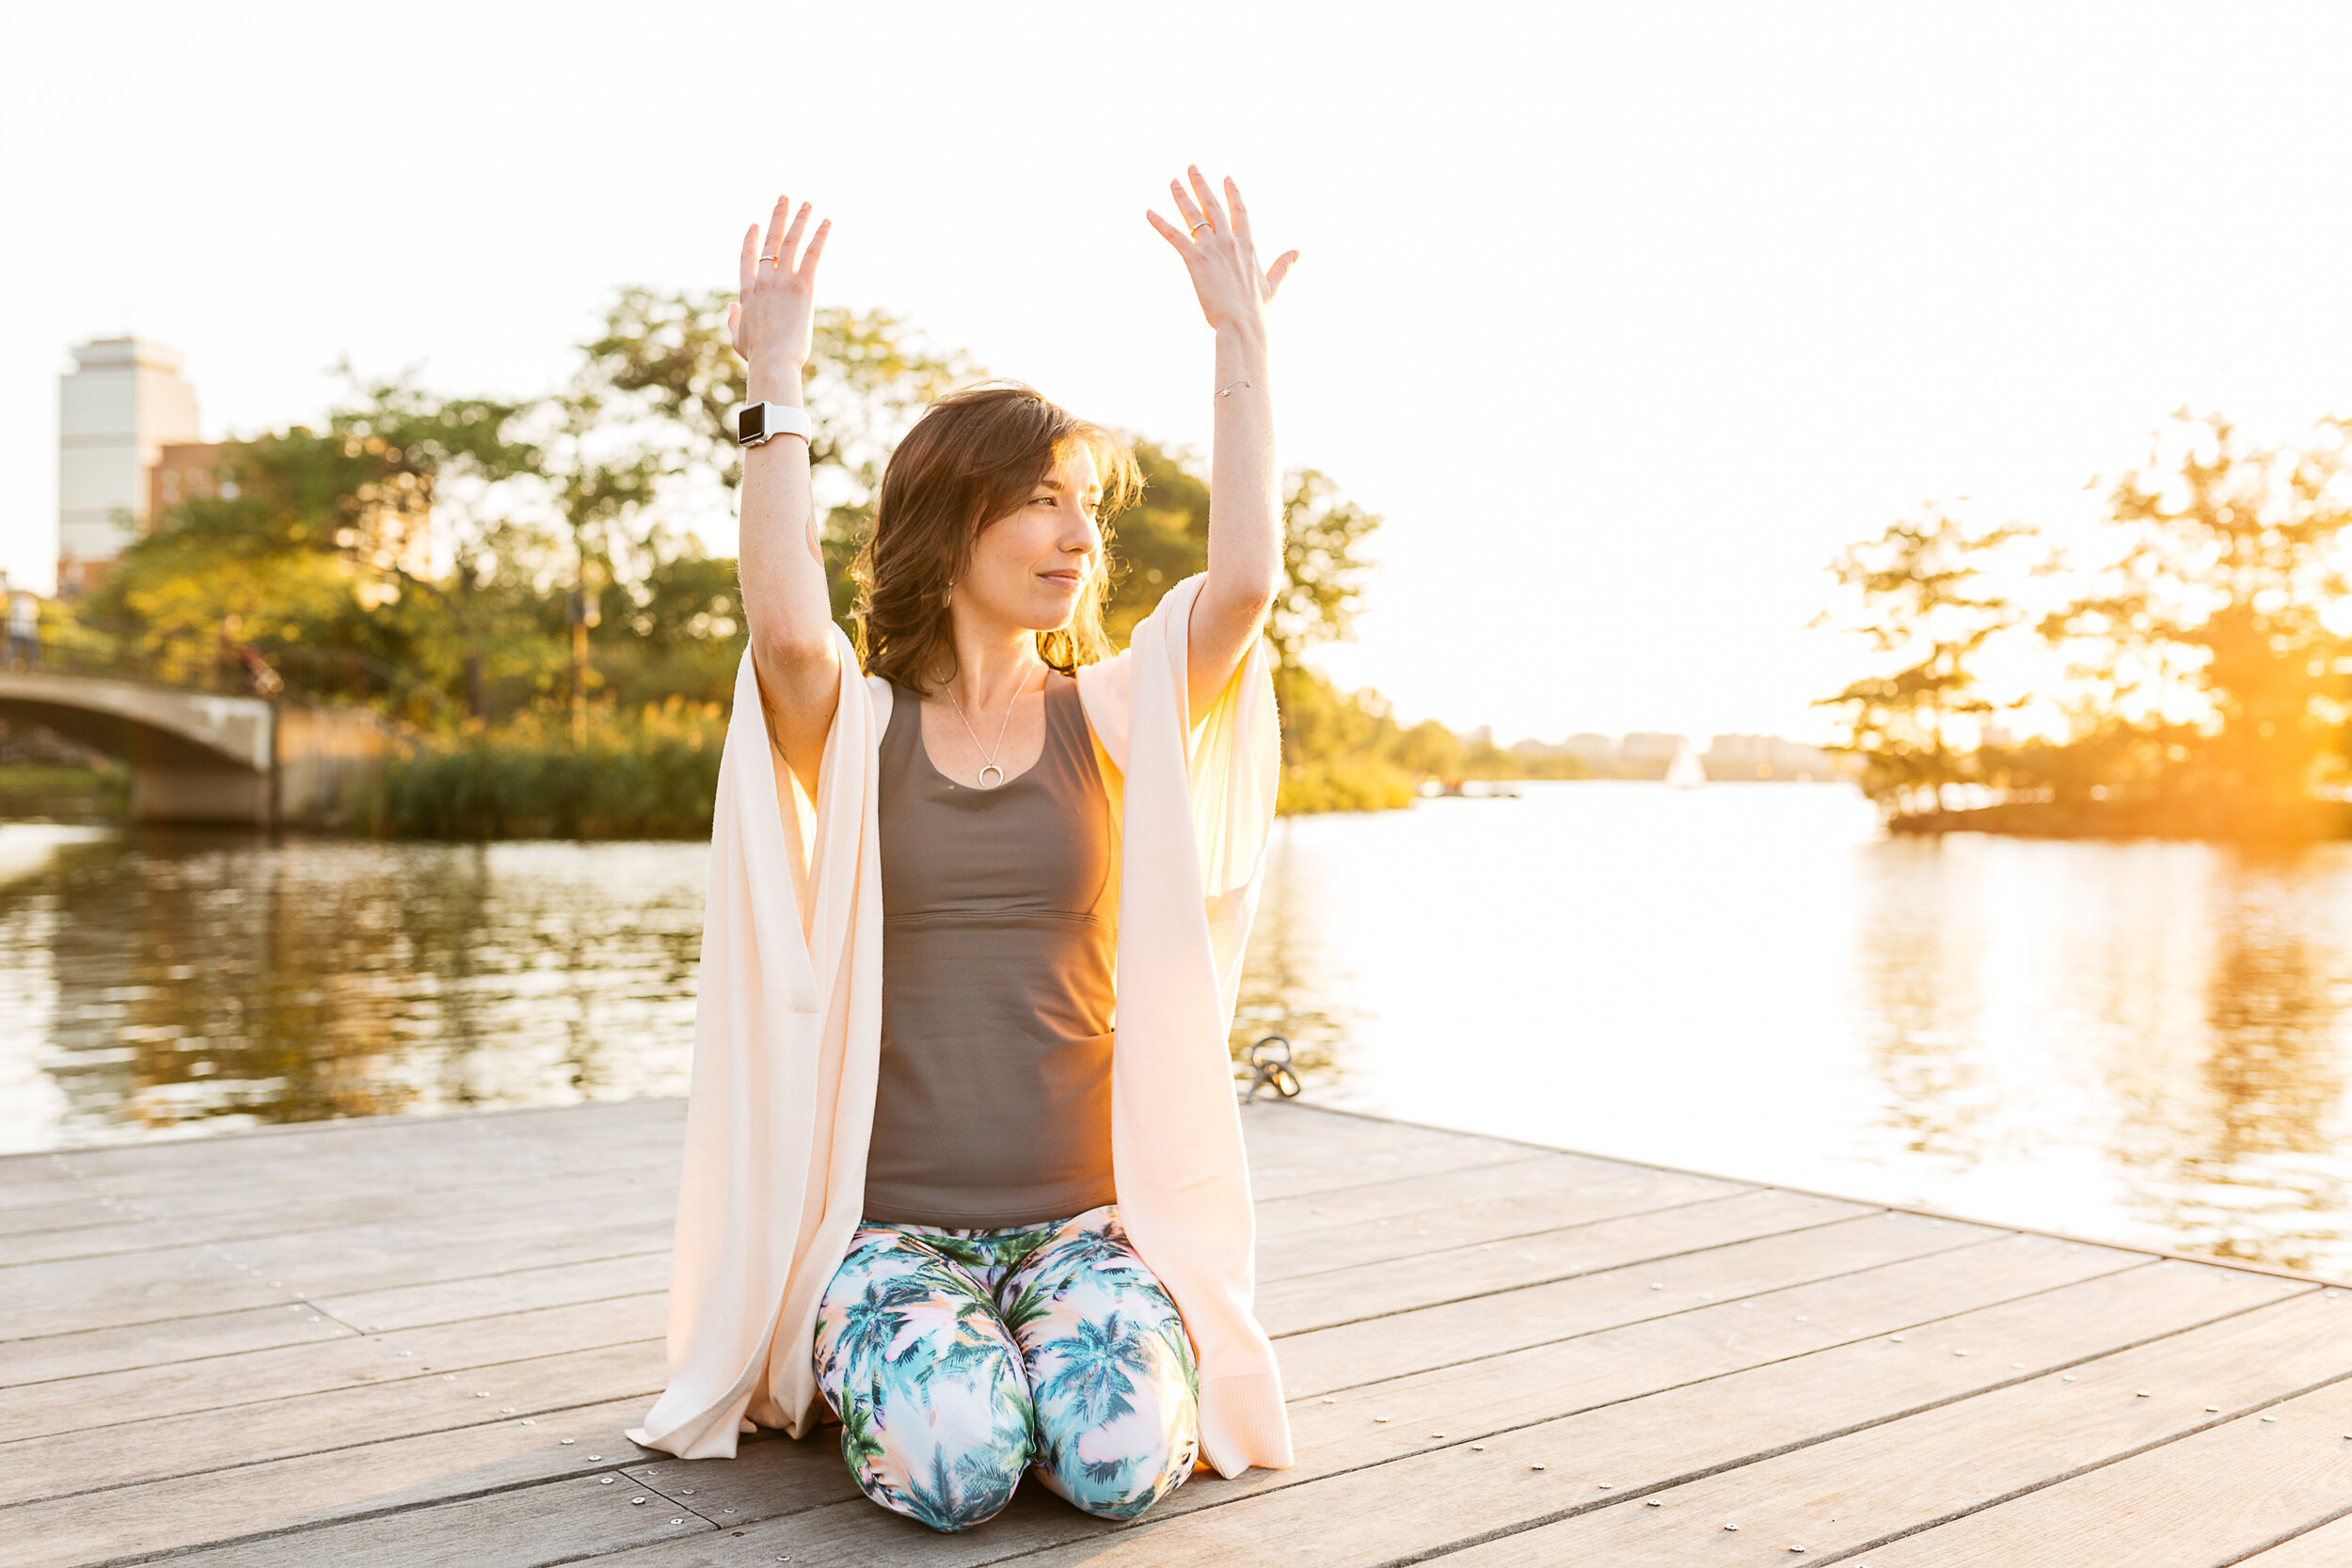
198,757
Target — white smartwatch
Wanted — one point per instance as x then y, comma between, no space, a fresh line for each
765,422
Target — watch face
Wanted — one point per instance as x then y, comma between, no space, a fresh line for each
751,425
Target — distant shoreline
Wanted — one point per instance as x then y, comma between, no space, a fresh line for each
2317,821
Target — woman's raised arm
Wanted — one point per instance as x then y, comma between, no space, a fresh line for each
786,602
1244,486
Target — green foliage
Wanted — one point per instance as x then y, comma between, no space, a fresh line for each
1160,541
2201,685
665,355
1923,601
1339,753
650,772
34,790
2201,648
321,540
562,644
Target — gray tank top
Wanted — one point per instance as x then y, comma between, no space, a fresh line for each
1000,913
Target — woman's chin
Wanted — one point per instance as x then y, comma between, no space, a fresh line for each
1051,611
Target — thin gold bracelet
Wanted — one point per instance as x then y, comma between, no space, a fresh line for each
1227,391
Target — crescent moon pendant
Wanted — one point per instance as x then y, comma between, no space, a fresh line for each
985,782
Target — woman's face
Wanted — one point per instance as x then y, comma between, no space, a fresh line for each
1029,566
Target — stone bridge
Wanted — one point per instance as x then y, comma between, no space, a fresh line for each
200,757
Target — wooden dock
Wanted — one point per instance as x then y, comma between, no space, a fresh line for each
418,1341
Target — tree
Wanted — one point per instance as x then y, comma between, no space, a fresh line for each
1923,604
2203,636
1336,748
1165,538
1323,568
1158,541
665,356
323,540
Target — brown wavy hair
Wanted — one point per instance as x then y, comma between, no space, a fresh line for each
974,456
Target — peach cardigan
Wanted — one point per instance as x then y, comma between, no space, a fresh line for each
787,1031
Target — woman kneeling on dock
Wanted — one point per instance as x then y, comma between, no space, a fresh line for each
928,1185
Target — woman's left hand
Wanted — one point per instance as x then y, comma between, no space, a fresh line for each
1217,251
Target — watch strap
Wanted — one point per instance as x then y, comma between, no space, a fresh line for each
764,422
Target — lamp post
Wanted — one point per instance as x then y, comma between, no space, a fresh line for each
585,613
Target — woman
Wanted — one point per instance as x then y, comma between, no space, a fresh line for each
930,1186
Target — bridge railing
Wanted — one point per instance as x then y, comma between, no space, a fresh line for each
226,667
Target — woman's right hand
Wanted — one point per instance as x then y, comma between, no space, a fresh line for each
786,602
775,311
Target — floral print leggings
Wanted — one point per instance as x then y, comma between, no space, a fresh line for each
956,1360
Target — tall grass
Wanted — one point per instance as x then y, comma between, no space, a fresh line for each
651,772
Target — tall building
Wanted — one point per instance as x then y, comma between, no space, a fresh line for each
117,410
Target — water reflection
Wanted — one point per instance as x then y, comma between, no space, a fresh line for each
2146,1042
2149,1036
186,982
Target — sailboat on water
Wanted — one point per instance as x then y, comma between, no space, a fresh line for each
1685,772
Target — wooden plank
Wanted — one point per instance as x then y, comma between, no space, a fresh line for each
1421,1192
1760,1367
493,1136
155,1344
307,1212
31,1180
146,1450
439,1147
2171,1505
38,1299
1326,1360
211,1506
857,1526
512,1290
2329,1547
765,1481
97,1292
1858,1493
2030,1274
264,1188
560,1521
352,1159
1492,1397
856,1533
66,1214
1481,1268
216,1383
1272,1182
1293,1130
1452,1496
1490,1203
1345,1151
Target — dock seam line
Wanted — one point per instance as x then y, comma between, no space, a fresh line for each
1660,1317
454,1279
1585,1273
2224,1419
1634,1493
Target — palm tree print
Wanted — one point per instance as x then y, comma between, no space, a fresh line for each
1095,1362
879,1317
956,1359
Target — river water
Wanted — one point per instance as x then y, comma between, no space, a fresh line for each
2141,1042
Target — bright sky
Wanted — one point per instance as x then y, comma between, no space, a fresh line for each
1625,317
